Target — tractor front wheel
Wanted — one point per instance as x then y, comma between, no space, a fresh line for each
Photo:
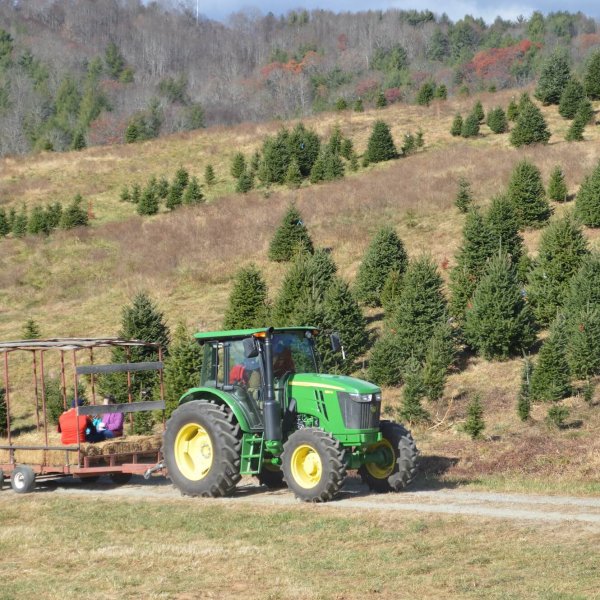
313,465
399,468
201,450
271,476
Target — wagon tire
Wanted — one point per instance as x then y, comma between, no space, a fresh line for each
22,479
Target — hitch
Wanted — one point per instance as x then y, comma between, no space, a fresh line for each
156,467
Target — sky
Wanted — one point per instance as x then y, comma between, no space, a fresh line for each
455,9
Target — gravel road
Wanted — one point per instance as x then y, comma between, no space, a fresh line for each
355,496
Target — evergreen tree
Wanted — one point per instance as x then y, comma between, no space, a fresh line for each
238,165
182,178
470,126
148,204
290,235
317,173
254,163
293,177
209,176
439,356
410,144
125,196
142,320
386,361
575,131
276,158
385,254
133,132
381,144
554,77
343,315
587,201
193,192
53,215
570,99
530,127
136,193
584,286
335,140
74,215
591,78
524,397
512,112
503,225
333,166
562,250
390,294
31,330
162,188
182,367
353,161
497,121
245,182
477,246
380,101
478,111
247,306
114,61
499,323
550,380
441,92
464,196
426,93
413,391
19,228
341,104
457,125
557,188
346,148
78,142
583,342
37,221
474,425
358,106
526,192
4,224
174,197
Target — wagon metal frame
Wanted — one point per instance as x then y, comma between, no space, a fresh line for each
142,462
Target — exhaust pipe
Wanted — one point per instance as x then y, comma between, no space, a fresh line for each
272,410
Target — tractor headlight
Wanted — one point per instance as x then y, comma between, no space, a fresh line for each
377,397
361,397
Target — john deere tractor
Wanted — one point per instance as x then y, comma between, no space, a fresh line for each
264,409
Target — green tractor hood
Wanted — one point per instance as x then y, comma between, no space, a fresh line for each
336,383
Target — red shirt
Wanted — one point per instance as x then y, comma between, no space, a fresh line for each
69,425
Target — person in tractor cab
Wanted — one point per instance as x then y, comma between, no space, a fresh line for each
282,358
74,428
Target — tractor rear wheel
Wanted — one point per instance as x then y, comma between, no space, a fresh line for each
271,476
313,465
401,468
201,450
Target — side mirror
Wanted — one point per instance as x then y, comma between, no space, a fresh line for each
336,344
250,347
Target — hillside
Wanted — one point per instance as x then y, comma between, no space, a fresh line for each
75,282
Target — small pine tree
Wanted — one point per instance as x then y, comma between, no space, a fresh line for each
346,148
182,178
381,101
335,141
381,144
587,201
503,224
333,166
554,77
293,177
526,192
37,221
583,342
341,104
148,204
31,330
524,397
556,416
499,323
193,192
317,172
439,356
132,132
19,227
174,196
410,144
512,112
426,93
162,188
245,182
530,127
136,193
74,215
457,125
475,424
4,224
289,237
385,254
441,92
591,78
478,111
464,197
353,161
125,196
550,380
570,99
575,131
497,121
53,215
557,188
470,126
562,250
209,176
238,165
413,392
358,106
390,294
247,306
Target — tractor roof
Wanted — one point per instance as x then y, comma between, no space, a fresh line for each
244,333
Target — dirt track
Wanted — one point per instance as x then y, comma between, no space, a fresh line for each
355,496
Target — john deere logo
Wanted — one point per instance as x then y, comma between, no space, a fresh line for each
373,409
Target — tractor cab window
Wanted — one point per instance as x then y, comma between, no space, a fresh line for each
293,353
244,375
210,365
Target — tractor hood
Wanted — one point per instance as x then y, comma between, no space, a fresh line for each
339,383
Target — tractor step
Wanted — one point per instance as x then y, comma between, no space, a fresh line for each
252,454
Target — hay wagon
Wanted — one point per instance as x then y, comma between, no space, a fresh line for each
33,450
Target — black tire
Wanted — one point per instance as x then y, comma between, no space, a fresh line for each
1,479
89,478
402,471
22,479
313,465
271,477
212,468
120,478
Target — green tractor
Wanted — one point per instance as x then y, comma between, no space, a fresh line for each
264,409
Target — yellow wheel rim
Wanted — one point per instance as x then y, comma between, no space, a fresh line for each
379,471
193,452
306,465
